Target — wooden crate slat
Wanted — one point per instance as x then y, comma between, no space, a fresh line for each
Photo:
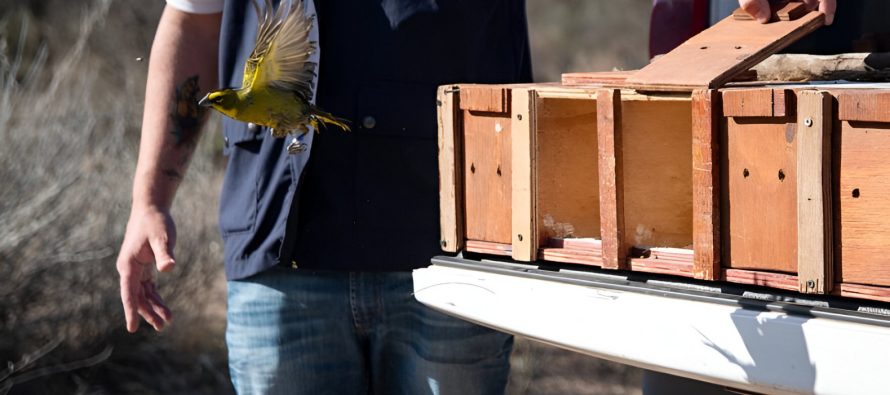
484,98
706,184
814,240
524,229
608,116
450,178
866,105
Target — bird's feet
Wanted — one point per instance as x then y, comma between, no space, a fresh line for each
296,146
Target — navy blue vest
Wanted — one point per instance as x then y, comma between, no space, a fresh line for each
368,199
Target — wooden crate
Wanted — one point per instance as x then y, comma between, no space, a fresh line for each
862,193
775,171
518,167
781,186
646,172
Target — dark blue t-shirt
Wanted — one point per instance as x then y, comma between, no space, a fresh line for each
366,200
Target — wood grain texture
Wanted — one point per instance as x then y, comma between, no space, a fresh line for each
656,136
485,98
714,56
765,279
757,102
864,192
451,198
487,169
596,77
864,292
866,105
609,134
706,184
761,190
814,214
485,247
567,203
524,236
584,251
683,269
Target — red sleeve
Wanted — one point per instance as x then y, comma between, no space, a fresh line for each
675,21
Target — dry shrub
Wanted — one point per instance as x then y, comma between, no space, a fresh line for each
68,143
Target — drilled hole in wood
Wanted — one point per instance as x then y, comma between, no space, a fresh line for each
738,47
519,116
781,175
472,167
499,170
704,47
746,173
855,192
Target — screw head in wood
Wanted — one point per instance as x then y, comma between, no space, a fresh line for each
811,284
808,122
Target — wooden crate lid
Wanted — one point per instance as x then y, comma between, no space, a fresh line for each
732,46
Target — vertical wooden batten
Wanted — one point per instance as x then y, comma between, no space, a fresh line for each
814,214
524,238
608,117
450,177
706,184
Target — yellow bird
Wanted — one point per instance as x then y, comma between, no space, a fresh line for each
277,85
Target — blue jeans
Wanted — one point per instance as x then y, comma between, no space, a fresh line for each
297,332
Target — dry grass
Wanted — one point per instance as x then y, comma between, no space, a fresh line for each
70,109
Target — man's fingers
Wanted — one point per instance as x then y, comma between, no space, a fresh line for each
828,7
163,253
129,303
146,311
759,9
157,304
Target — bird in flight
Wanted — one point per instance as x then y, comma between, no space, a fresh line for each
276,90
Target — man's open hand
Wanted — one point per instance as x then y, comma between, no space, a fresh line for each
149,241
759,9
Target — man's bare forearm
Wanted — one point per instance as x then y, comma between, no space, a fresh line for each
182,67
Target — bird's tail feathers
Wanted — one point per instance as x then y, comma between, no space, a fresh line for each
326,118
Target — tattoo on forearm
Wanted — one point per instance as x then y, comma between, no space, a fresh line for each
186,115
172,174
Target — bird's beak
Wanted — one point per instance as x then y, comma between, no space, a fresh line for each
205,102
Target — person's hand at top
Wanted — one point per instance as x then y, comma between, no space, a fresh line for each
760,10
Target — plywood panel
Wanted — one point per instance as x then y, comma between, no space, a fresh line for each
567,175
714,56
657,161
487,174
865,203
762,193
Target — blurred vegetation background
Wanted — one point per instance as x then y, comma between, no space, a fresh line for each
72,78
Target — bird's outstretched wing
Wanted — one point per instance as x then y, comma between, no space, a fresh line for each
280,58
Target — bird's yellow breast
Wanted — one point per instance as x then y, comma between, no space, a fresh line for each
271,107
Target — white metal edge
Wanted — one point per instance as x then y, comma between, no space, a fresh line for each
753,350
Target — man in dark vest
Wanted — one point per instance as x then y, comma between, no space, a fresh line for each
319,245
